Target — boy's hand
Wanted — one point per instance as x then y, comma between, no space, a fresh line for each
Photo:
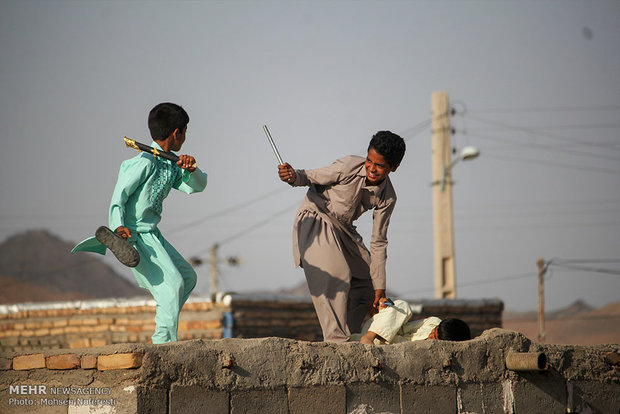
123,232
379,293
287,173
187,162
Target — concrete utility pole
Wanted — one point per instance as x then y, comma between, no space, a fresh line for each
443,221
213,261
215,271
542,269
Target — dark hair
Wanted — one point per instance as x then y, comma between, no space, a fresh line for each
389,145
164,118
453,330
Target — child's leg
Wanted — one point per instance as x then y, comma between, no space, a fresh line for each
327,274
185,269
360,293
158,273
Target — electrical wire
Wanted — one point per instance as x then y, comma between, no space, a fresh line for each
586,269
534,131
227,210
552,109
410,132
479,282
553,164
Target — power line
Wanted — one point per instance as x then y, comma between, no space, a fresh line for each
588,260
553,262
555,164
586,269
228,210
530,130
479,282
614,146
251,228
553,109
416,129
566,149
578,126
259,224
412,132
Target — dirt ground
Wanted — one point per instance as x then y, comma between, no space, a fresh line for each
599,326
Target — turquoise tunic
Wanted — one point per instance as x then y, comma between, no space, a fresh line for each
137,203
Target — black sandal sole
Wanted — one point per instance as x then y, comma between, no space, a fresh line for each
124,252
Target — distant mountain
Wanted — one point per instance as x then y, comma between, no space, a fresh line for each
577,308
576,324
37,266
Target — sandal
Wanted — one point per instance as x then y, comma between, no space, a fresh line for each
124,252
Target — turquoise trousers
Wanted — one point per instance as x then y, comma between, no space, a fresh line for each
169,278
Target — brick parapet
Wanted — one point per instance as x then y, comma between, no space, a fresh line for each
80,324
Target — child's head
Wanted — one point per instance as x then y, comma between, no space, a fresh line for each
165,118
453,330
385,152
390,146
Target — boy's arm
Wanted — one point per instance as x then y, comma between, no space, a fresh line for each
378,243
192,179
322,176
132,174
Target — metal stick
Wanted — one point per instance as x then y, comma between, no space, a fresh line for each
273,145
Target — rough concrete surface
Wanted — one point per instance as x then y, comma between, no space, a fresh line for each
289,376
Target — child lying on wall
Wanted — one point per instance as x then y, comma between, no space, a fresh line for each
391,324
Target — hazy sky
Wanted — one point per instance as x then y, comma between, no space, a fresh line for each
535,86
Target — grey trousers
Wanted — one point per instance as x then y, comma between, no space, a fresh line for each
338,276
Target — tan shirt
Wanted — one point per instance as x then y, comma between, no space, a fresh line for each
340,193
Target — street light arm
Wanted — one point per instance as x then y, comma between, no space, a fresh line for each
467,153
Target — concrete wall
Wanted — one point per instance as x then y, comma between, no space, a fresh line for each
80,324
277,375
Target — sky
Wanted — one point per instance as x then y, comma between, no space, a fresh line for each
535,86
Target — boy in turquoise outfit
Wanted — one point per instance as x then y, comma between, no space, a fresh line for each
143,183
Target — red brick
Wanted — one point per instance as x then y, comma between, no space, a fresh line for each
89,361
119,361
25,362
98,342
79,343
64,361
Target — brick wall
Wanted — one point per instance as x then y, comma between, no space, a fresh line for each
81,324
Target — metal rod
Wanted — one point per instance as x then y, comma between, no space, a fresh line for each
273,145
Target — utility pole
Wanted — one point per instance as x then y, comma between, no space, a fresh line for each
215,271
443,221
541,299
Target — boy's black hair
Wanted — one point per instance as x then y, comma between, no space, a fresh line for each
453,330
389,145
164,118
